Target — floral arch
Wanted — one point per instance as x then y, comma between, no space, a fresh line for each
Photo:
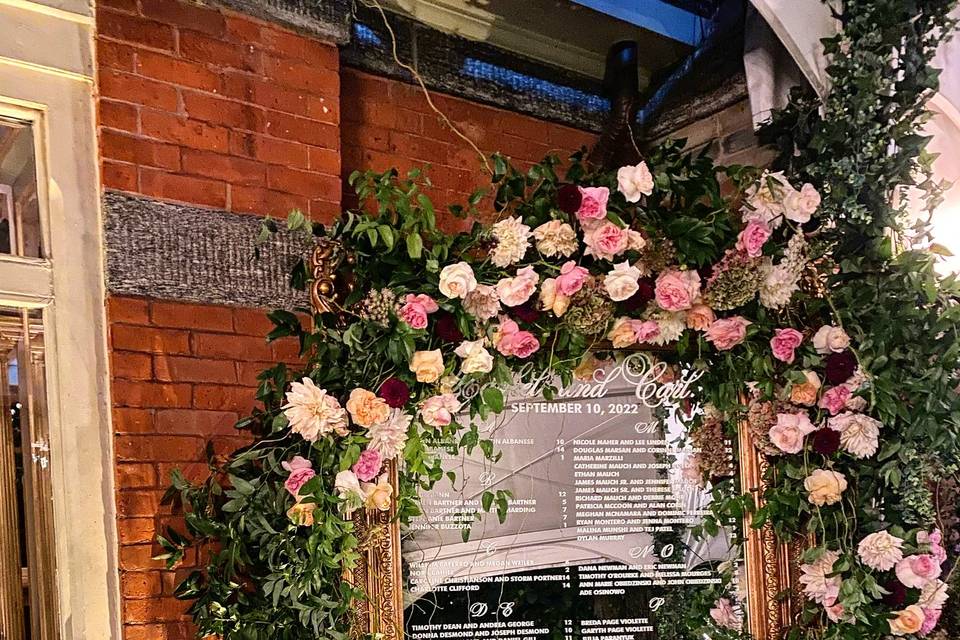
816,329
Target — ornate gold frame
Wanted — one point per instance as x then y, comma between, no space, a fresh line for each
771,565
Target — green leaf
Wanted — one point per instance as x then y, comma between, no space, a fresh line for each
386,234
414,246
296,220
493,398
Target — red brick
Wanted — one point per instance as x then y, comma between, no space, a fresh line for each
240,29
159,448
136,476
221,167
180,369
140,584
186,15
128,310
153,609
323,109
270,150
191,471
131,366
295,46
289,127
183,131
135,29
303,183
286,350
119,115
325,210
144,503
201,48
148,339
179,315
302,76
225,446
248,371
189,189
137,530
222,398
150,394
252,322
127,420
194,422
139,557
367,136
217,110
179,72
119,176
324,161
145,632
263,92
215,345
114,55
118,146
265,202
130,88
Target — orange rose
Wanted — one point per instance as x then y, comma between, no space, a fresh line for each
700,317
366,408
908,621
805,394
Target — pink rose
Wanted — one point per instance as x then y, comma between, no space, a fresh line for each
931,618
571,278
414,312
835,400
790,430
647,330
753,237
515,291
935,540
606,241
368,466
521,344
727,333
296,462
297,479
593,203
438,411
676,290
918,571
784,343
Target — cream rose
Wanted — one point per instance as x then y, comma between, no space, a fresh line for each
476,359
553,300
556,238
859,434
908,621
800,205
829,339
457,280
428,365
378,496
880,551
624,332
824,487
366,408
301,514
621,282
634,181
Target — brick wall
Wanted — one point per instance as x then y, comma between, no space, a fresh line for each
216,109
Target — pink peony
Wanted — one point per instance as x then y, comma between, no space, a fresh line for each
835,400
753,237
416,308
931,618
521,344
368,466
296,480
677,290
935,540
437,411
725,615
784,343
593,203
571,278
917,571
647,330
606,241
727,333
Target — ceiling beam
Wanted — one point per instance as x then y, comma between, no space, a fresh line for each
659,16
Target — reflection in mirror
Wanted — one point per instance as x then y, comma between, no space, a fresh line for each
592,506
19,205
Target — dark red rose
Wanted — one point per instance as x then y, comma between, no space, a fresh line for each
826,442
897,596
568,198
527,312
705,272
840,366
640,299
395,392
446,327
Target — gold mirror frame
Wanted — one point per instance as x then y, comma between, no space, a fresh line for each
773,601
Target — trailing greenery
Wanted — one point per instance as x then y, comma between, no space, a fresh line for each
273,555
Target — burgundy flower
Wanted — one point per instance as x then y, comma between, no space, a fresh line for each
527,312
640,299
446,327
568,198
395,392
897,596
840,366
826,442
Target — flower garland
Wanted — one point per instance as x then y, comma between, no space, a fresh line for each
747,288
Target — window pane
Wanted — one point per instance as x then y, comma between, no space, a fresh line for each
19,205
27,602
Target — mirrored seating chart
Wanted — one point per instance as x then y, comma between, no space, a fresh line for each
595,544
